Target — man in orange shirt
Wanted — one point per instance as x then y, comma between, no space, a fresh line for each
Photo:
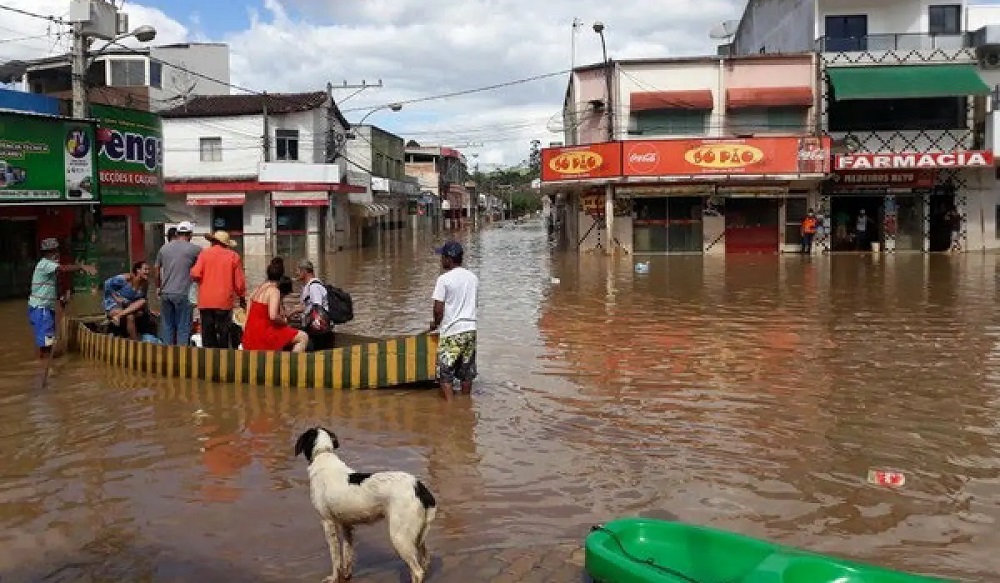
809,225
219,275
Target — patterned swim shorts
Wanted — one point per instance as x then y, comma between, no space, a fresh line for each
456,358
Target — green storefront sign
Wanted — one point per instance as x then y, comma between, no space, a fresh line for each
45,160
130,156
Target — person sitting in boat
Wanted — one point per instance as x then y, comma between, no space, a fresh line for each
314,293
267,328
126,305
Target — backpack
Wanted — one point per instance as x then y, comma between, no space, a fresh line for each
318,320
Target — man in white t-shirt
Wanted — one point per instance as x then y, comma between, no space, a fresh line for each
455,297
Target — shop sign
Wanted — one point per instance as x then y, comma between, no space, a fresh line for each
582,162
130,156
44,159
907,160
873,179
593,204
722,157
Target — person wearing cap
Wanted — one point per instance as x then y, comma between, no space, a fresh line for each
220,278
45,294
173,283
313,294
455,297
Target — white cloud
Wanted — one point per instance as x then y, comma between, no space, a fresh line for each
427,47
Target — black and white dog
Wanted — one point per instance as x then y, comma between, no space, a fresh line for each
345,498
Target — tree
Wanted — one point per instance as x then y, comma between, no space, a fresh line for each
535,159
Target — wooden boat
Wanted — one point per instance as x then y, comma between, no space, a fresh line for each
641,550
356,362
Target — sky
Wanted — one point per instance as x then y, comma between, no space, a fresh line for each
417,48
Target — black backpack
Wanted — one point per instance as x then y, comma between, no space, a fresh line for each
320,321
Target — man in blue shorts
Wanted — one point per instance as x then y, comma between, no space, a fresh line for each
45,294
455,297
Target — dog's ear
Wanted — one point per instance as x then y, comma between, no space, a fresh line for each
333,438
306,443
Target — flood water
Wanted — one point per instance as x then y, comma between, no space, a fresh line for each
752,394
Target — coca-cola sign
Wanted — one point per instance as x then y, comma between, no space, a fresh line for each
641,158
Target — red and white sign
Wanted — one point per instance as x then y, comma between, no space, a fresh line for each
884,179
216,199
913,160
300,199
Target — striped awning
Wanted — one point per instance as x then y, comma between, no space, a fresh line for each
369,209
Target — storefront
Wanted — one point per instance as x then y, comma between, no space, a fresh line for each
130,170
299,219
219,211
888,202
47,189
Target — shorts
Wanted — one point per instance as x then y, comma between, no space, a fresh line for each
456,358
43,322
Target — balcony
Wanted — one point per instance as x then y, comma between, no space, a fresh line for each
907,41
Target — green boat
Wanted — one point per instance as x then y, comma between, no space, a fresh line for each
642,550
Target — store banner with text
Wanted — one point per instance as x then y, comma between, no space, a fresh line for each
786,155
45,159
130,156
602,160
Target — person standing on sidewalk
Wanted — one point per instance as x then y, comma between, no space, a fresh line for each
455,297
173,282
219,275
42,303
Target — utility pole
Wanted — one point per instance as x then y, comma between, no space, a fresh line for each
267,130
78,72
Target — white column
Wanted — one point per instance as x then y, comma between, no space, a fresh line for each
609,218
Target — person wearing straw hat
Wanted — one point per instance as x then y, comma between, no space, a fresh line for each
220,278
45,294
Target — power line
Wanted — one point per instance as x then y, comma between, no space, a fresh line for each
34,14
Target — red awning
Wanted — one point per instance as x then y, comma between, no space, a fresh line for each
300,199
216,199
651,100
208,186
769,97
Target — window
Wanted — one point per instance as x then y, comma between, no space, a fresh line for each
156,74
670,122
996,223
229,218
287,142
211,149
935,113
291,231
128,72
846,33
944,19
762,120
378,168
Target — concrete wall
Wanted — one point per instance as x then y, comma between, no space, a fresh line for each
588,125
776,26
678,76
210,60
884,16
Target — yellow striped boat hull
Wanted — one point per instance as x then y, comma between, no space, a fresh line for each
366,363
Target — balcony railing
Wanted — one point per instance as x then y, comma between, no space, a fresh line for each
907,41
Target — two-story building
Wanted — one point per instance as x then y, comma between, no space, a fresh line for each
380,157
902,94
441,172
692,155
261,167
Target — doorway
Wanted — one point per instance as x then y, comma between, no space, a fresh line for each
854,230
18,255
943,221
752,225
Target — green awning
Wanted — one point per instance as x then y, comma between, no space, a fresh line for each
153,214
906,81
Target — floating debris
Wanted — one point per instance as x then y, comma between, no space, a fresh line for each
887,478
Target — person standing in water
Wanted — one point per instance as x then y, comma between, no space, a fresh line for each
455,296
45,294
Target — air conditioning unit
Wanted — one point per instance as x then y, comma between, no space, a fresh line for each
989,58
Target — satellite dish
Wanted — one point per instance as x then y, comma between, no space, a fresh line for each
724,29
556,124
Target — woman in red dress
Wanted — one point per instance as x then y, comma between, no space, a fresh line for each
266,327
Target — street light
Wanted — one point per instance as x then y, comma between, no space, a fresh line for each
599,29
393,107
82,59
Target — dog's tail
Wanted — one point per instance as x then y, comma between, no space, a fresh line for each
426,500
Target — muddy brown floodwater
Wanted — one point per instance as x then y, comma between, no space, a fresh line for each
751,394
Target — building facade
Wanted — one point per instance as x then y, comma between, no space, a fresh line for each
904,92
378,159
441,173
260,167
694,155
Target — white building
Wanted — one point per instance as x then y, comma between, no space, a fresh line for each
268,180
904,92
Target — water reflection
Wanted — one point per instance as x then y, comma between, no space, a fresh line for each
747,393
